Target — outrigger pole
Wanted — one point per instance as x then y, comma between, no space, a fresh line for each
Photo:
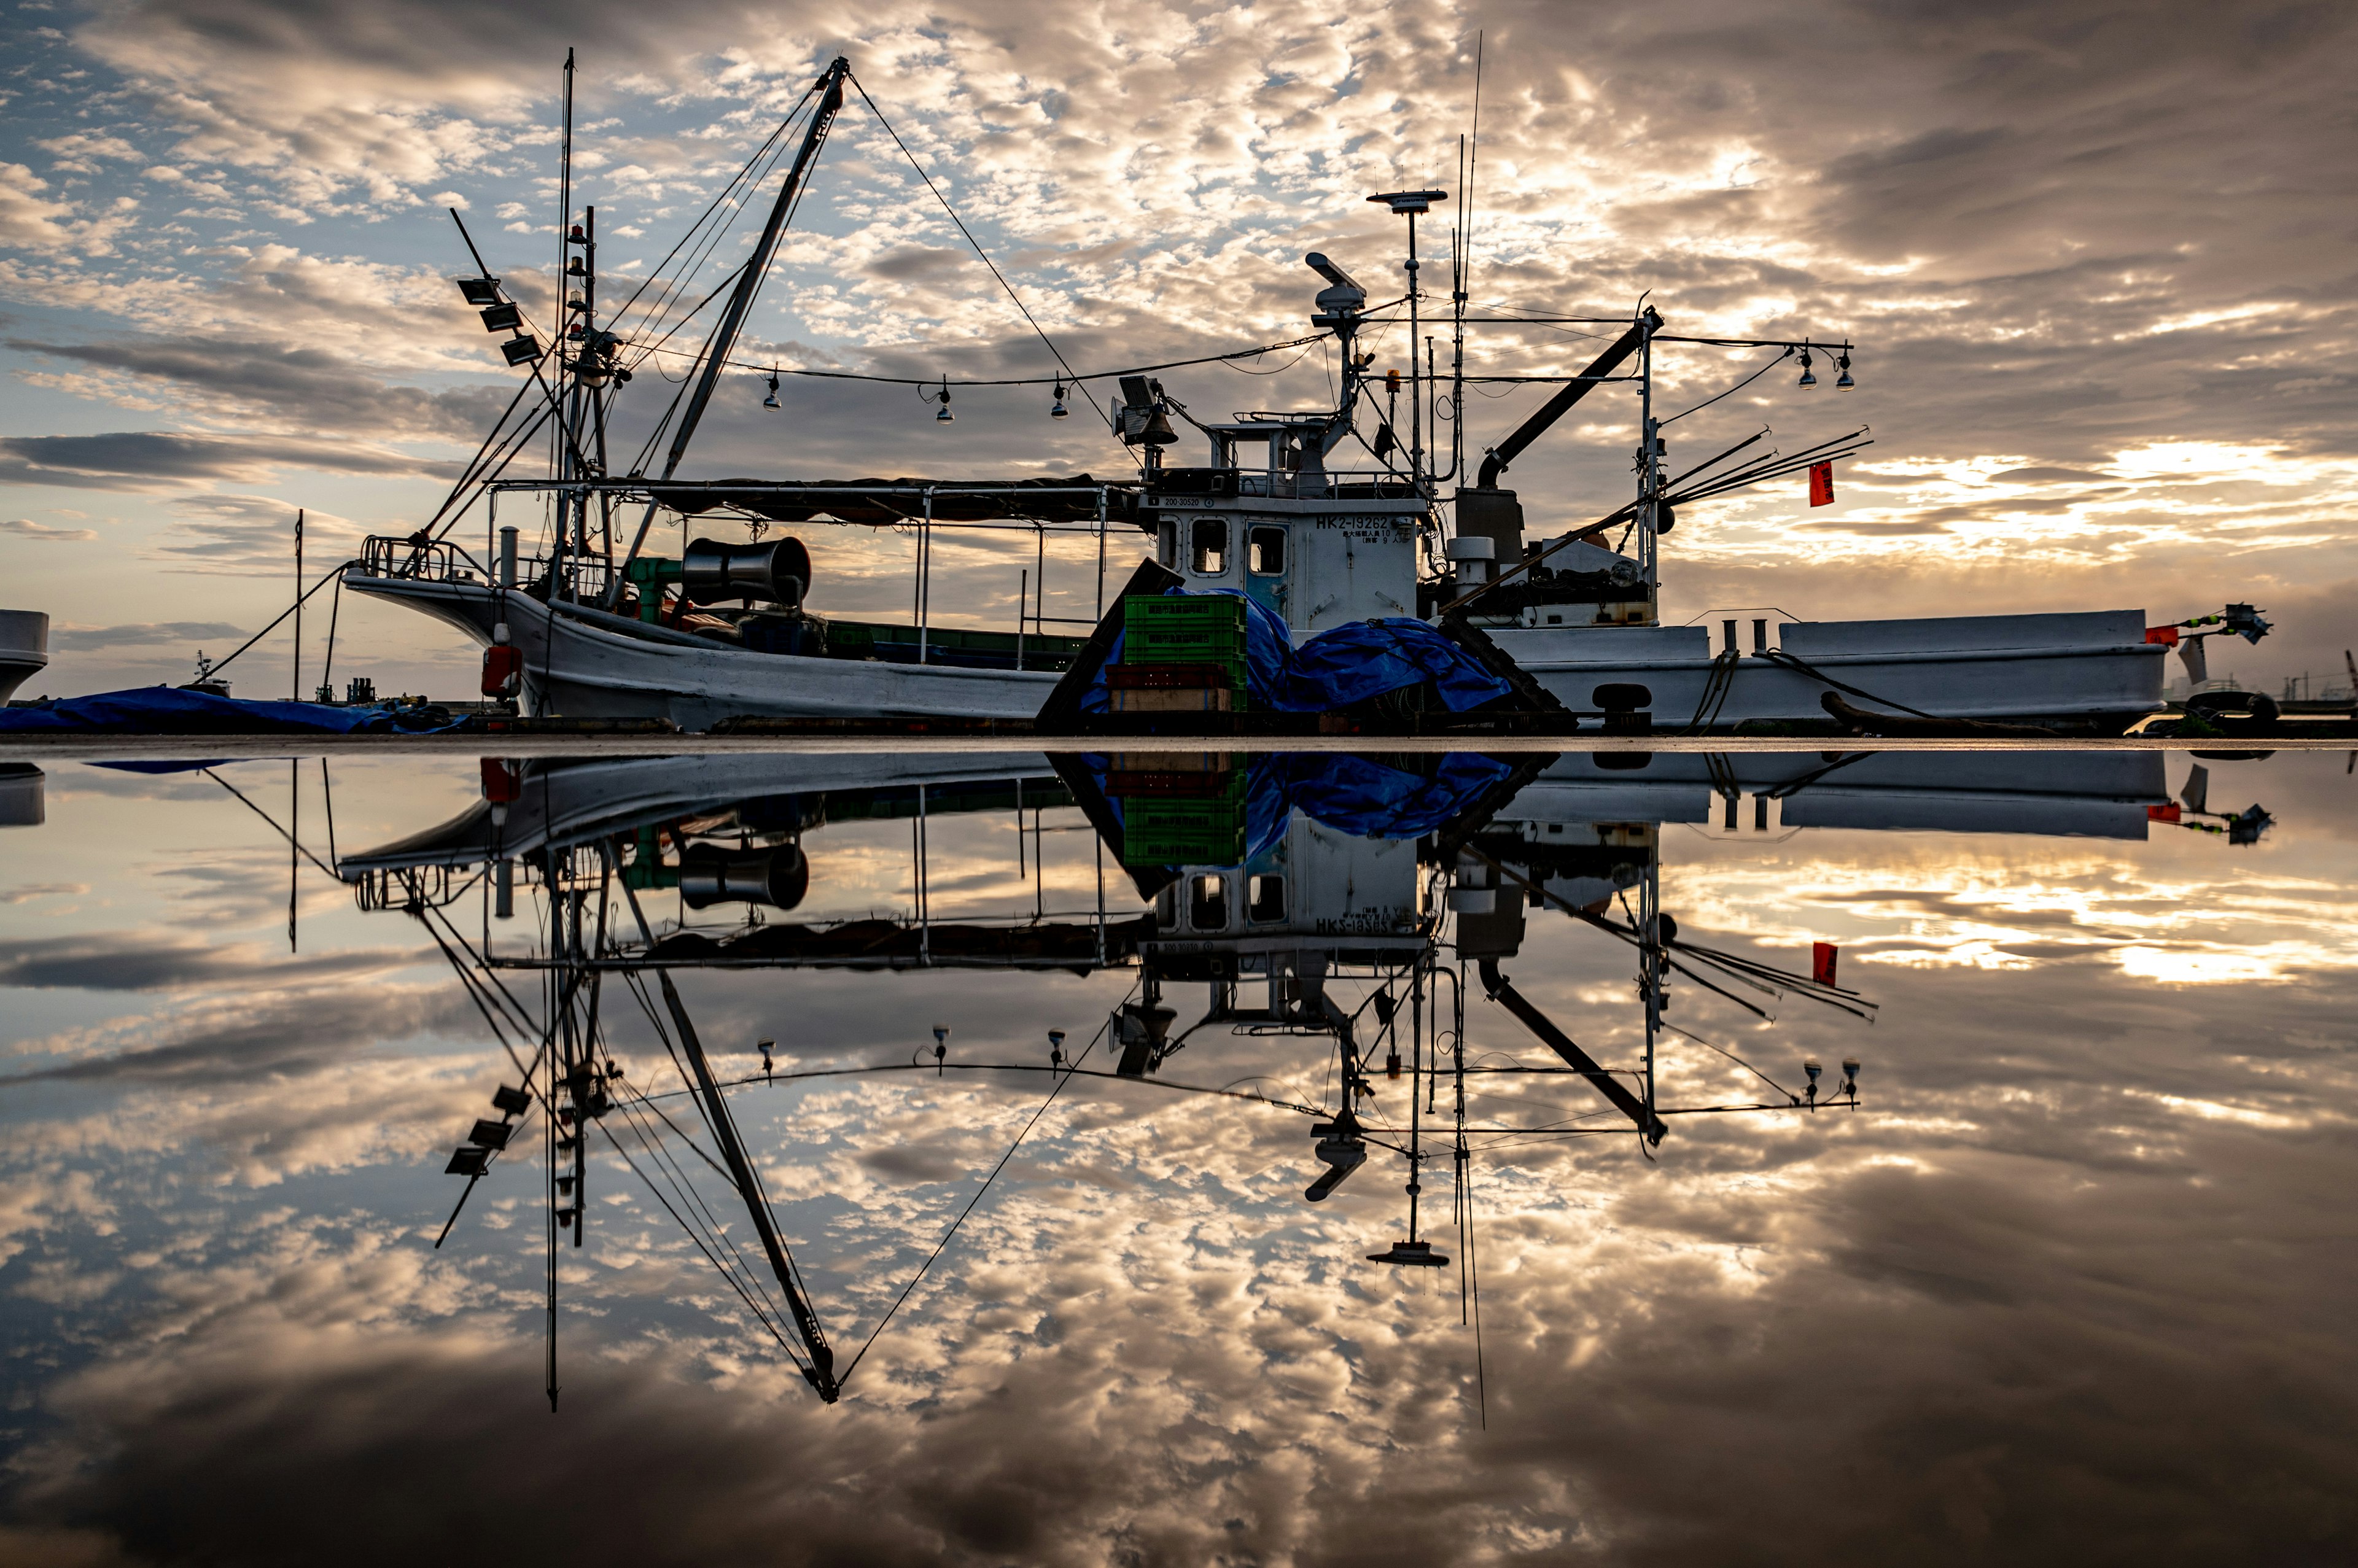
741,299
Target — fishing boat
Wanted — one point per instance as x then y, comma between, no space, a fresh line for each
1561,626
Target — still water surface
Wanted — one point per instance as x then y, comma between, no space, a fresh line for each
2068,1279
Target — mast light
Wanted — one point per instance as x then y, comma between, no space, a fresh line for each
1408,201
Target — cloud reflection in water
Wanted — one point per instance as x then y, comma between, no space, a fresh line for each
2071,1286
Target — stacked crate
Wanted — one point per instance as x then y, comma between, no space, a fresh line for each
1180,653
1180,808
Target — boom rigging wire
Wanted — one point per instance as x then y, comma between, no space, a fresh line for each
1056,352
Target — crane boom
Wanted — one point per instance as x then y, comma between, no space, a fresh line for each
757,266
1496,461
821,1370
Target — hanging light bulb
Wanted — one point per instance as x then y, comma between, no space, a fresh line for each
1058,410
1809,377
1842,383
772,401
943,416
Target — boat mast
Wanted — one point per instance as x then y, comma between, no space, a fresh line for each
1649,460
593,372
1408,204
567,397
1415,368
1458,263
1462,274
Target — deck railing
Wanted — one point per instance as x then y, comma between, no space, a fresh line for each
1307,484
434,560
413,888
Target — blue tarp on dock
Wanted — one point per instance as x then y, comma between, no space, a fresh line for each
172,710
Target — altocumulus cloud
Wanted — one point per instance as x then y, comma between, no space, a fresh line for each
2060,234
89,639
156,459
25,528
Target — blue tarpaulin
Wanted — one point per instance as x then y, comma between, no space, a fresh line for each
1337,668
170,710
1354,795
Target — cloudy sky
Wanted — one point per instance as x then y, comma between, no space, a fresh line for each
2074,1282
2096,257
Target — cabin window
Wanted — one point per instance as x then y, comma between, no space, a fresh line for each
1208,905
1166,543
1265,551
1211,551
1265,899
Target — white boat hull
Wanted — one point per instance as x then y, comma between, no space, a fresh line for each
24,648
566,804
581,663
2083,669
2073,668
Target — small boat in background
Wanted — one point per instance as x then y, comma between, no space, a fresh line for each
24,648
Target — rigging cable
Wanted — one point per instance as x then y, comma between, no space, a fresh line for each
1740,386
1735,1058
747,179
1067,377
986,1181
718,1229
1057,353
760,1316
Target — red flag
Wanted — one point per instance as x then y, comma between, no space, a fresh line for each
1821,484
1821,962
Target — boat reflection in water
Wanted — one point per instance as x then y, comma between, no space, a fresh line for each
1359,903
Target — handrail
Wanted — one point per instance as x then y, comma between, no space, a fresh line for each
405,556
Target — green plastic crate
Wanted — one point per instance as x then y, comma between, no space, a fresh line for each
1213,623
1182,832
1231,665
1181,645
1195,611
